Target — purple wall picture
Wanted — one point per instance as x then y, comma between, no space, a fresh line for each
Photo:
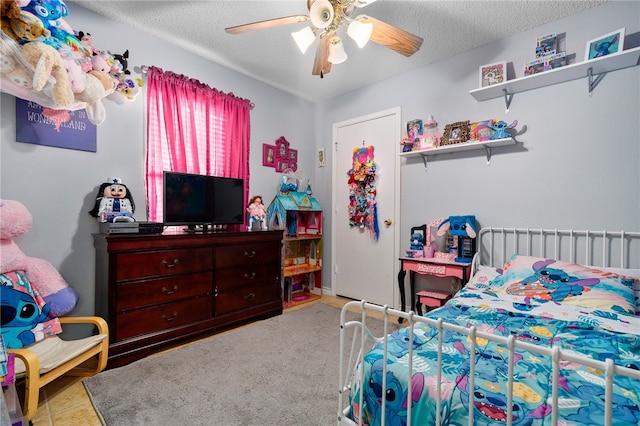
63,129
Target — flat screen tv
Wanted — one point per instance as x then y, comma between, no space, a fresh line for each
199,201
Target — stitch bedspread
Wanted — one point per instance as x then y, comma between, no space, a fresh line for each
602,333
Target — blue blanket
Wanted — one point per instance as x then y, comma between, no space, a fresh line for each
601,334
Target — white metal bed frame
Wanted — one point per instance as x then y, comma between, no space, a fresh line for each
618,248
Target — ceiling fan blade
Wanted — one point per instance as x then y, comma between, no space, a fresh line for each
392,37
269,23
321,65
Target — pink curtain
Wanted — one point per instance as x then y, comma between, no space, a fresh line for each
195,129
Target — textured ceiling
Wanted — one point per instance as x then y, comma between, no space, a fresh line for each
270,55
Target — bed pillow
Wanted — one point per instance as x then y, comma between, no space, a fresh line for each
483,277
541,280
633,274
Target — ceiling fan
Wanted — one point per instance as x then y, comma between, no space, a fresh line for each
329,16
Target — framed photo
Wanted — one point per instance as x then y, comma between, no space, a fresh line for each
481,131
282,149
321,159
414,129
493,74
282,165
457,132
546,45
293,154
607,44
268,155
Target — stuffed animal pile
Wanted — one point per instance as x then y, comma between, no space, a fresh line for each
42,59
16,220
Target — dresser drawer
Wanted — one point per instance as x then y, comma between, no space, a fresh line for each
161,317
135,294
246,275
247,254
246,297
143,264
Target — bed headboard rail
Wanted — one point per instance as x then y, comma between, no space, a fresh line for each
606,249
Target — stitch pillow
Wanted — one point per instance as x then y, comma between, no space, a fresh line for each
26,318
634,274
540,280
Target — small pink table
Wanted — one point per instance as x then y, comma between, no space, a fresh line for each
429,266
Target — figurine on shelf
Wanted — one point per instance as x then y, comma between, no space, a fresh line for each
500,129
431,137
114,202
257,214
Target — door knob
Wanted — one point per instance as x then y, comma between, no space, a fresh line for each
388,222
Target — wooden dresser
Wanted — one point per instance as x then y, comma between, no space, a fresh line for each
157,290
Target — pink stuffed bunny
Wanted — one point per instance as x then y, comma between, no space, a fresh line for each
15,220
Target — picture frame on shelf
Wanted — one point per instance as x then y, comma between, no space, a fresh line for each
604,45
480,131
491,74
454,133
546,45
414,129
268,155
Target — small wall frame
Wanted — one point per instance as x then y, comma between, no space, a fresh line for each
604,45
454,133
268,155
491,74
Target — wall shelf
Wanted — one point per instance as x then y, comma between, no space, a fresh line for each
465,146
595,67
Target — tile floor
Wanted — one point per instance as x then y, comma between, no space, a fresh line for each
64,402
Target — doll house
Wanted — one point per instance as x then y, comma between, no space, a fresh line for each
299,215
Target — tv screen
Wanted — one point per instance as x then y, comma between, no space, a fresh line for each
192,199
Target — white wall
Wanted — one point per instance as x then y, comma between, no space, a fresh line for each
578,164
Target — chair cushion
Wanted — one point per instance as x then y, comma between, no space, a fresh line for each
54,351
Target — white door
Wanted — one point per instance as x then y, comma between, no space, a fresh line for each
363,267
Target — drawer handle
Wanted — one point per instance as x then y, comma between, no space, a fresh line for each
171,318
249,277
249,297
170,265
169,292
252,253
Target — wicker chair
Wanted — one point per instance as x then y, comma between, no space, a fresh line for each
48,359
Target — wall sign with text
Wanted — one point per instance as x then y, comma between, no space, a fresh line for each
59,128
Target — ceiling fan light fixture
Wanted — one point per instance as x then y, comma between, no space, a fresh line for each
321,13
304,38
337,55
360,32
363,3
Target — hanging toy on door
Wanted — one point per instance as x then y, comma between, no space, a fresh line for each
363,209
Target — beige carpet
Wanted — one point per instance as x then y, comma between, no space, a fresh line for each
280,371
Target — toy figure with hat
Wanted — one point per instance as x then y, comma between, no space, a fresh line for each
114,202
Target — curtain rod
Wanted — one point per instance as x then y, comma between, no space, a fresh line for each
143,69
